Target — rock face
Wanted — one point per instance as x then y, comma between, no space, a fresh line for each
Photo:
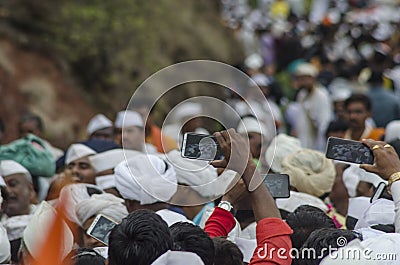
66,61
31,81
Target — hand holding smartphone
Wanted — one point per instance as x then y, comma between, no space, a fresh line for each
101,228
349,151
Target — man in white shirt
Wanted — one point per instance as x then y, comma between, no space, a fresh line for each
315,111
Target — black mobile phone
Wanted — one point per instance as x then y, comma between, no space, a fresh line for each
349,151
101,227
200,146
278,185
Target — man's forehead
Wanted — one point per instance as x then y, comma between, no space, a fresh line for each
14,176
84,160
356,105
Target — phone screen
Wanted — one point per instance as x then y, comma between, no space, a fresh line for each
349,151
200,146
278,185
101,228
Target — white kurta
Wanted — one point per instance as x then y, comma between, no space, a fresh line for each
315,113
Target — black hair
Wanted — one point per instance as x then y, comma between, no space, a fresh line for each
139,239
304,220
86,256
189,237
33,117
361,98
2,126
226,252
336,126
324,240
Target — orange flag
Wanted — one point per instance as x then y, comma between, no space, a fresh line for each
51,252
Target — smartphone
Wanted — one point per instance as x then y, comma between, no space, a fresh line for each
101,228
278,185
378,192
349,151
200,146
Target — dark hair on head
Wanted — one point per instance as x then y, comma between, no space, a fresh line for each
189,237
139,239
86,256
336,126
33,117
359,98
226,252
324,240
304,220
2,126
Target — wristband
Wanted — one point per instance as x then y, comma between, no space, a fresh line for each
393,178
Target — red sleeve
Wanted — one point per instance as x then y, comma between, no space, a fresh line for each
220,223
273,242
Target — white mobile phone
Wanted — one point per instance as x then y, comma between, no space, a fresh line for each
101,227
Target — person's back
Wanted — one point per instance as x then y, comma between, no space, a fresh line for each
139,239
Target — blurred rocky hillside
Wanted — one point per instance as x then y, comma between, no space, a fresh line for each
69,59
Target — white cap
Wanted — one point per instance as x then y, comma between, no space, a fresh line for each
146,178
5,249
281,146
178,258
297,199
259,80
392,131
380,211
10,167
202,177
254,61
186,110
110,159
2,182
38,228
340,95
106,204
128,118
354,174
251,124
77,151
73,194
351,179
105,182
306,69
98,122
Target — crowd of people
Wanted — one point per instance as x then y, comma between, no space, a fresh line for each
341,60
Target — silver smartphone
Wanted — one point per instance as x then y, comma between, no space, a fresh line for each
101,228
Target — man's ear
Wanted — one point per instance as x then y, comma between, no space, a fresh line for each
32,195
